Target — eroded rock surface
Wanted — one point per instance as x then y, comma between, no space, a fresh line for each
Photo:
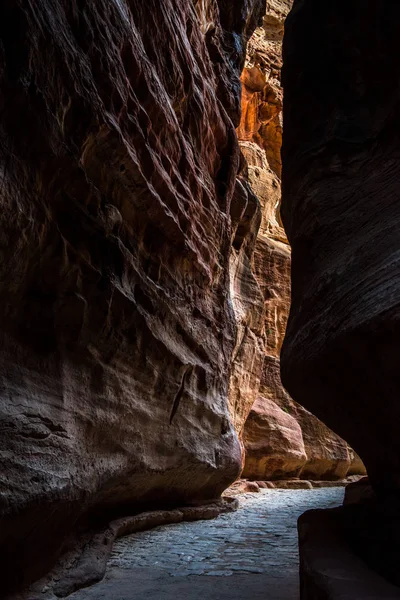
118,160
273,441
262,92
248,305
260,134
328,456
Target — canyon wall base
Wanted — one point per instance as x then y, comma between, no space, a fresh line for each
118,160
341,211
274,449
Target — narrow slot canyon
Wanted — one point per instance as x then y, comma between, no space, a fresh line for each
198,300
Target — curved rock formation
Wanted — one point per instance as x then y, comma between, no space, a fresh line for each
248,305
274,443
340,212
118,160
328,456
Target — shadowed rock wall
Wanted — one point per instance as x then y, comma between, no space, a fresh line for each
281,438
341,212
118,160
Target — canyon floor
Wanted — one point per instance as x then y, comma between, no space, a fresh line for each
251,553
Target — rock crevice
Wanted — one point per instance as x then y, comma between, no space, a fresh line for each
270,441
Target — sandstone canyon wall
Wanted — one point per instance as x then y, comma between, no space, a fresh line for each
282,439
340,210
119,164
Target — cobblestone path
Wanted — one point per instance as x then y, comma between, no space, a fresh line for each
251,553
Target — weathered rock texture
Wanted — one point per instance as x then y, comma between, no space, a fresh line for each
118,160
274,443
86,563
262,92
266,436
248,305
327,455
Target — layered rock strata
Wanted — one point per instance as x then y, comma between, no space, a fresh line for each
267,435
119,161
274,443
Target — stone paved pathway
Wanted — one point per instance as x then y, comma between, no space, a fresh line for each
251,553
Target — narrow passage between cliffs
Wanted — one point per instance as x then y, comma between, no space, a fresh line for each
251,553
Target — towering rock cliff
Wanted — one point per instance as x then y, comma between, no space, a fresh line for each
119,163
282,438
341,211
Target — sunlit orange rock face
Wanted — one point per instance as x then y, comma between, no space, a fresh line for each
262,108
119,204
262,97
248,291
275,449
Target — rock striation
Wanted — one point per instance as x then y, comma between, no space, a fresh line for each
320,453
119,165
